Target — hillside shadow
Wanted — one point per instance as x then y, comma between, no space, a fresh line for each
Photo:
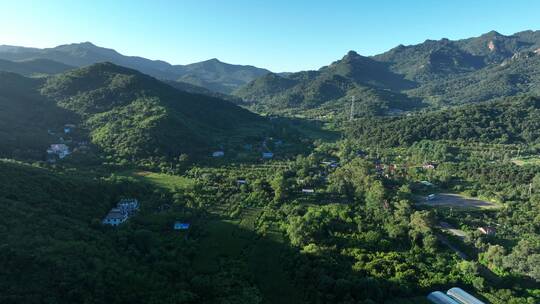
281,272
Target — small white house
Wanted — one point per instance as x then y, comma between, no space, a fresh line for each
123,210
128,205
60,150
218,154
115,217
487,230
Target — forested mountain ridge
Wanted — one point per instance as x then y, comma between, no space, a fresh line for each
436,73
374,85
127,114
212,74
446,57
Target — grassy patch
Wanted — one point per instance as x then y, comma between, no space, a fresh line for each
165,181
527,161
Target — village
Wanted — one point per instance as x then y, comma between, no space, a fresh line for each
65,140
310,188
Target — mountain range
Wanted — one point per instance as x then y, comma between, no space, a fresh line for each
433,73
211,74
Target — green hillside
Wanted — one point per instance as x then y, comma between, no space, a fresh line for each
514,120
333,86
130,114
127,114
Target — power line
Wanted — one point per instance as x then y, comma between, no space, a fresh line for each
352,109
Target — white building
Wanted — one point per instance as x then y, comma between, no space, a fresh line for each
128,205
115,217
218,154
124,209
60,150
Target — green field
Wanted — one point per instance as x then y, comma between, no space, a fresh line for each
452,200
165,181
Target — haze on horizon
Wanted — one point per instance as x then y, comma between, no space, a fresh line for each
277,35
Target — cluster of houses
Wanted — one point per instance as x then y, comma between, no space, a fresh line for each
454,295
265,150
61,150
330,163
57,151
123,210
385,170
221,153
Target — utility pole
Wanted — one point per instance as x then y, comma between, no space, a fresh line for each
352,109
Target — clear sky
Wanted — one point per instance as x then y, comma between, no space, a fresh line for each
281,35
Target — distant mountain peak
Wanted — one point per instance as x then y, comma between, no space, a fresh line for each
87,43
493,34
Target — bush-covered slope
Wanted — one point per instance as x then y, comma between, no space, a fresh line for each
519,74
514,120
127,114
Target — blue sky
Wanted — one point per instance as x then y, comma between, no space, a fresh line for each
276,34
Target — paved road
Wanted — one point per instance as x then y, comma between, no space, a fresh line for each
447,227
445,241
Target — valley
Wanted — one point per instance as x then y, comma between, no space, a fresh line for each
259,187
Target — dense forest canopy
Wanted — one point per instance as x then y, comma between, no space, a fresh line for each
514,120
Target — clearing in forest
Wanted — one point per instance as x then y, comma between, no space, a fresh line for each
524,161
166,181
457,201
